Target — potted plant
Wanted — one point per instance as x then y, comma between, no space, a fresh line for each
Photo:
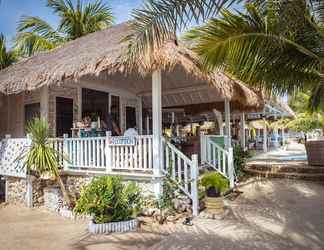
113,205
215,185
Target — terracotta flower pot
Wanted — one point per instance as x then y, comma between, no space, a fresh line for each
315,152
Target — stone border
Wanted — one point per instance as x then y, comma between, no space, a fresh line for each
112,227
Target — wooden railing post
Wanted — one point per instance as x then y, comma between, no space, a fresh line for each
65,152
231,167
203,146
108,153
194,185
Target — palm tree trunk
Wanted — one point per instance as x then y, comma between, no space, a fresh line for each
66,196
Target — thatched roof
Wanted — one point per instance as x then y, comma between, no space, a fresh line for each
101,52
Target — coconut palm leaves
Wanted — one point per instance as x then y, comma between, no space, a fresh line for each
35,35
277,45
6,57
160,20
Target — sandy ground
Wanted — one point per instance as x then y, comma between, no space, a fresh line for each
276,214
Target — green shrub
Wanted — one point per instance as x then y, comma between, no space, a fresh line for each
240,157
107,199
216,181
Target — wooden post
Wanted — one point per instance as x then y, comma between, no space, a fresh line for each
194,185
265,136
219,119
29,192
231,167
157,129
147,125
79,103
140,116
243,143
227,124
44,102
203,146
65,152
108,153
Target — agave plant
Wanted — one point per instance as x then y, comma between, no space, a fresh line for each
41,157
35,34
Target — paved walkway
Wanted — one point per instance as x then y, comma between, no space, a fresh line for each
290,154
276,214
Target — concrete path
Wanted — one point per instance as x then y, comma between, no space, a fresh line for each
276,214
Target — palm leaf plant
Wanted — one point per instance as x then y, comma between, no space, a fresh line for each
273,45
6,57
75,20
160,20
41,157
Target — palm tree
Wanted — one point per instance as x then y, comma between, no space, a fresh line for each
41,157
35,35
161,20
6,57
277,45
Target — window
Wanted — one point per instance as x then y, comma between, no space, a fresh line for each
31,112
94,104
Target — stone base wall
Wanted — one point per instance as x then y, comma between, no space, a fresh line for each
16,190
47,193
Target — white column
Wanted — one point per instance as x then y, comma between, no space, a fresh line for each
243,144
219,119
140,116
44,100
283,136
265,137
79,104
157,129
227,124
147,125
173,118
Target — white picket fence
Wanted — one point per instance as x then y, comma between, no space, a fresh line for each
219,158
183,170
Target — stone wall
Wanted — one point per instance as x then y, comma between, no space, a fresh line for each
16,190
47,193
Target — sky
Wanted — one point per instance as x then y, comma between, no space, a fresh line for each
12,10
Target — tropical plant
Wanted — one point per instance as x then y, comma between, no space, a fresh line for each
240,157
6,57
160,20
35,34
216,181
109,200
277,45
41,157
305,122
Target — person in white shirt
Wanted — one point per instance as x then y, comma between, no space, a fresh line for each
131,132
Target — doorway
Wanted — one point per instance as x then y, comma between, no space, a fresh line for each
130,117
64,116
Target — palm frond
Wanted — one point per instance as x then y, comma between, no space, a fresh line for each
6,57
160,20
244,45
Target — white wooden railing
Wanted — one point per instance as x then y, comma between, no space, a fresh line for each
94,154
183,170
135,157
217,157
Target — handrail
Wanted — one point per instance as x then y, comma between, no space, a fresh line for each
183,170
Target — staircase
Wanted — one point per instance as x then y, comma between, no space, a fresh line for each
290,170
